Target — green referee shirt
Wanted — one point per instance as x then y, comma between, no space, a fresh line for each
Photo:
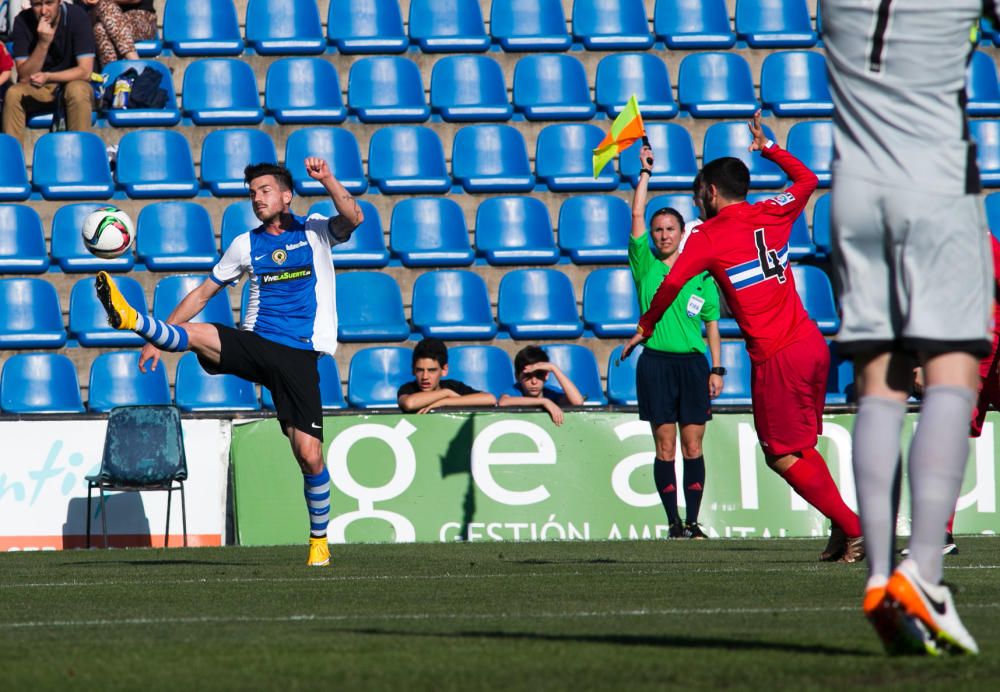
680,329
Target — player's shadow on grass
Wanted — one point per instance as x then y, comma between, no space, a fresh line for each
457,458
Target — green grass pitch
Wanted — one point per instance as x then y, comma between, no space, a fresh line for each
736,614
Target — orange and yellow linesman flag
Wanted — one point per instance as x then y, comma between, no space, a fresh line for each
626,128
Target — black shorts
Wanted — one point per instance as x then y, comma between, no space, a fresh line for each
290,373
673,387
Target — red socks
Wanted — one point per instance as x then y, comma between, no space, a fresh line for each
810,478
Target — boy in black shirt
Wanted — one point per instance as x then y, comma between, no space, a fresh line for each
428,391
532,368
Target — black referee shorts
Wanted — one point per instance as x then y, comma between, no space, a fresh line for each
673,387
290,374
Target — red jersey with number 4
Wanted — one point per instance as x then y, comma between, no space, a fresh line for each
745,247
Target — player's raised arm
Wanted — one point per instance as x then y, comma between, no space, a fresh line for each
792,201
349,211
641,191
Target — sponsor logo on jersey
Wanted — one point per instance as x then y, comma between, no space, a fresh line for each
291,274
279,256
296,246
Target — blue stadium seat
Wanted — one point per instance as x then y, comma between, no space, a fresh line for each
611,25
331,392
366,26
621,377
986,134
71,165
68,250
992,213
552,87
515,230
366,248
610,303
443,26
387,88
334,145
732,139
22,241
196,27
674,164
981,86
370,308
491,158
143,117
716,85
483,367
115,380
687,24
430,232
40,383
683,203
816,292
284,27
30,316
774,24
221,91
170,290
528,25
538,304
407,159
196,390
564,158
303,91
14,183
594,229
376,374
793,84
176,237
469,88
150,47
579,365
800,244
452,304
155,163
821,226
88,321
236,219
840,387
643,74
812,144
224,155
736,361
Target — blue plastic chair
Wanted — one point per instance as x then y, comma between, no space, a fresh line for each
143,117
430,232
369,308
716,85
443,26
621,377
687,24
515,230
840,387
683,203
334,145
366,247
40,383
196,390
643,74
816,292
674,164
529,25
155,164
774,24
986,134
387,88
284,27
176,237
821,226
611,25
981,86
452,304
196,27
30,316
376,374
115,380
331,393
221,91
88,321
366,26
564,158
610,303
14,183
303,91
736,361
71,165
170,290
552,87
469,88
538,304
992,213
800,244
224,155
22,241
491,158
812,144
793,84
150,47
732,139
594,229
407,159
483,367
238,218
579,365
68,251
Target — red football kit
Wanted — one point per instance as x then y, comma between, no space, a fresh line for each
989,367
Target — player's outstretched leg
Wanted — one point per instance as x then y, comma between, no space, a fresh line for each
932,604
901,633
121,315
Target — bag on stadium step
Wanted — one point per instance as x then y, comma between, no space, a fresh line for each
146,91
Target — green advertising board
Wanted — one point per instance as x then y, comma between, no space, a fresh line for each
500,476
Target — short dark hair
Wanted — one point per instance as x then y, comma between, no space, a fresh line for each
529,355
259,170
730,176
668,211
433,348
696,183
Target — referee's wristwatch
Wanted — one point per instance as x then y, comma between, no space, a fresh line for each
720,371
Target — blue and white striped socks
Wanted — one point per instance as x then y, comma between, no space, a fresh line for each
317,491
162,335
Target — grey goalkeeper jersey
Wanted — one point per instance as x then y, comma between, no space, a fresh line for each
897,76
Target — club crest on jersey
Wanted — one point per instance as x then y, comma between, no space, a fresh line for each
279,256
784,199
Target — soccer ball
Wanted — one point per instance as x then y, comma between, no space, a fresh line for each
108,232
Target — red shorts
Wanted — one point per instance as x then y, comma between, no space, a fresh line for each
989,390
789,393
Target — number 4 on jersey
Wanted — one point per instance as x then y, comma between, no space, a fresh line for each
769,262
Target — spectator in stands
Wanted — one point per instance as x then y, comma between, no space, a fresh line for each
6,71
532,368
428,391
118,24
54,53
